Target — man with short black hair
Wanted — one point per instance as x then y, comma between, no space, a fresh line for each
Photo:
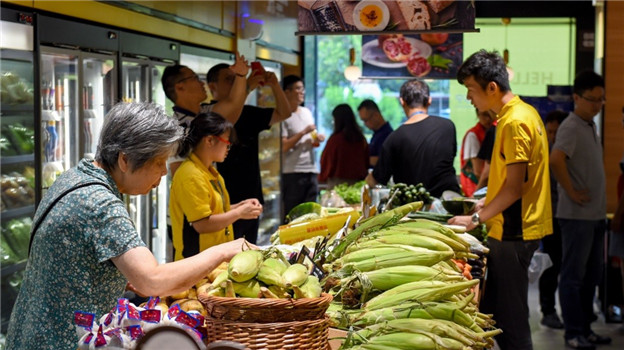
516,208
371,117
576,161
421,150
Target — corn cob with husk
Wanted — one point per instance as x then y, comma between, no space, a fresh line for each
409,341
413,240
455,244
245,265
374,223
392,298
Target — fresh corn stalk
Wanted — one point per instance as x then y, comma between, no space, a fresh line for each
270,272
376,222
295,275
423,257
409,325
245,265
247,289
423,295
401,238
434,226
454,244
409,341
390,277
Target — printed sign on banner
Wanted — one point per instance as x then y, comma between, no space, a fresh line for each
431,55
376,16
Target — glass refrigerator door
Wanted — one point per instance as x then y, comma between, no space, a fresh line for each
59,113
270,166
159,196
97,98
17,160
134,87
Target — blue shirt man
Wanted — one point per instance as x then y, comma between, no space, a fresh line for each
372,119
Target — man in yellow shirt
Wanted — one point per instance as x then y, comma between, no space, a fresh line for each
517,205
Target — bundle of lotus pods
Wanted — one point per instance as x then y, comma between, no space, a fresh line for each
397,285
264,274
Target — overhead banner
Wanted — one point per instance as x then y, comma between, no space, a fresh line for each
377,16
430,56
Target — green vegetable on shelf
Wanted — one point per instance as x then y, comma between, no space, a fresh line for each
351,194
7,256
23,137
17,233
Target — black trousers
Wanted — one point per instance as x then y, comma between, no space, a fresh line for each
549,280
506,291
247,229
298,188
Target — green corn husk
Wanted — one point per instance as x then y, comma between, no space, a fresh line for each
376,222
390,277
245,265
401,238
247,289
228,286
454,244
409,341
216,292
312,287
270,272
425,257
373,252
439,327
280,292
389,298
434,226
266,293
295,275
219,279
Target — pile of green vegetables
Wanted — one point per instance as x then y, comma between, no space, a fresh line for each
350,193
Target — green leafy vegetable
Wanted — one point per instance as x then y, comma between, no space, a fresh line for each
351,194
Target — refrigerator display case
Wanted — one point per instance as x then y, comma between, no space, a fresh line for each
141,83
270,146
17,152
143,61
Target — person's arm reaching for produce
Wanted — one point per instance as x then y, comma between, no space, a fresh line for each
144,273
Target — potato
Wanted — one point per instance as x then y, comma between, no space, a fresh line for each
183,295
205,288
193,305
202,282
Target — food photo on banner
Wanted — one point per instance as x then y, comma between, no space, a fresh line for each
376,16
430,55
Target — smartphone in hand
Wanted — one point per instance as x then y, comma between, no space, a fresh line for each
257,69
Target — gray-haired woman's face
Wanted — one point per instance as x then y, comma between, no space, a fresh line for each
145,178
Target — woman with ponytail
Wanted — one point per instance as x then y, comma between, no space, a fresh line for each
199,204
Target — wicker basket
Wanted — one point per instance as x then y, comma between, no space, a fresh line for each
257,310
304,335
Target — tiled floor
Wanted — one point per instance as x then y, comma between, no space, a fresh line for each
545,338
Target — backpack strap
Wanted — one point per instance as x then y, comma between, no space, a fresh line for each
36,224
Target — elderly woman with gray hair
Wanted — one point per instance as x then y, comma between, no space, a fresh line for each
85,248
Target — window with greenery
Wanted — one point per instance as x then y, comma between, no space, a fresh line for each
541,50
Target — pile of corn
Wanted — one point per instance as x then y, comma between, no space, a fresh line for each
258,274
398,286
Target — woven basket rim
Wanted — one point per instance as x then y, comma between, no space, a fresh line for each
303,303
